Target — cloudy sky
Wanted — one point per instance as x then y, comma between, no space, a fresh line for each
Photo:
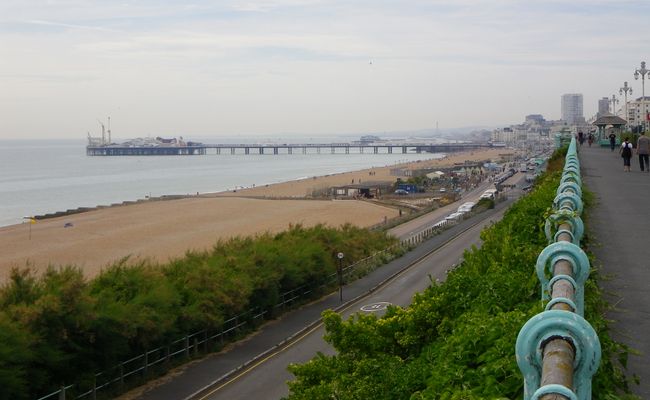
306,67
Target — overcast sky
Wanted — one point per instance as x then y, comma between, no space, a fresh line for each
306,67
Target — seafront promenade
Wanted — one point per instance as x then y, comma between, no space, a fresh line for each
618,236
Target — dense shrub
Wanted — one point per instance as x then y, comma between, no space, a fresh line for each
61,328
457,339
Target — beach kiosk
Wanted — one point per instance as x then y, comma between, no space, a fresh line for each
607,124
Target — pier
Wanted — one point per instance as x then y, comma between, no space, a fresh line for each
275,149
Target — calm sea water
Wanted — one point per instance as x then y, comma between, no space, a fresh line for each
39,177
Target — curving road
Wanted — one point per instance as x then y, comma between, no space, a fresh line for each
421,223
267,378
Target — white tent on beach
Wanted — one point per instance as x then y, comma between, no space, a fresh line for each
435,175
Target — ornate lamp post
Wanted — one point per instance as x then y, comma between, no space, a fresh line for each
613,101
642,71
625,90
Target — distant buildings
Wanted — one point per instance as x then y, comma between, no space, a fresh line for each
638,112
535,129
572,111
535,119
603,107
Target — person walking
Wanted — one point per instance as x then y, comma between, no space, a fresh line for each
643,149
626,153
612,141
590,138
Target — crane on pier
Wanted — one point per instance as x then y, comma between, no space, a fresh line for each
105,131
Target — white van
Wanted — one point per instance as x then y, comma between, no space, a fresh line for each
466,207
489,194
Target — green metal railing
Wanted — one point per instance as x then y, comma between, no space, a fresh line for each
557,350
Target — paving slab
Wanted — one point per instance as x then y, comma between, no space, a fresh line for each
619,230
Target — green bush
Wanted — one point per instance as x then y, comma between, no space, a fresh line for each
457,339
61,328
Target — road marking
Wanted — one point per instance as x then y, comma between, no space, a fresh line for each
374,307
298,339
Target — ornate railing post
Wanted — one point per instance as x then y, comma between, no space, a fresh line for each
557,350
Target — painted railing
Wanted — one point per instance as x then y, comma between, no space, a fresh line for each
557,350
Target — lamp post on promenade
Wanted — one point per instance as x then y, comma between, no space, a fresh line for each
339,272
613,101
625,90
642,71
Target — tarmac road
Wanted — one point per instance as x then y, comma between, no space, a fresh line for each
267,378
419,224
255,366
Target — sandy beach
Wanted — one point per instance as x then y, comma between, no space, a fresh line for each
159,230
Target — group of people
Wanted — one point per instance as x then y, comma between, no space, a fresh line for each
626,150
589,136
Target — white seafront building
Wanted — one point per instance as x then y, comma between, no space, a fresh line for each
534,130
637,112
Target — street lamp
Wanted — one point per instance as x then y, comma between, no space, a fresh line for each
614,100
625,90
339,272
642,71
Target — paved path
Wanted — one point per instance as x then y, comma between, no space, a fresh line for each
619,229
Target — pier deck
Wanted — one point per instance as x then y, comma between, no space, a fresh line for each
275,149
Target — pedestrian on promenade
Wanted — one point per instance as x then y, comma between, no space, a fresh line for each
626,153
612,141
590,138
581,138
643,149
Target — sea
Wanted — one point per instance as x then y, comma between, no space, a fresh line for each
45,176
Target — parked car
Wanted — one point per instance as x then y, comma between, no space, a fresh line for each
401,192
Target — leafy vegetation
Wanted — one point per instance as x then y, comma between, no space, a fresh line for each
62,328
457,339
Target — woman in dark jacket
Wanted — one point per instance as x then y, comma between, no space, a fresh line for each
626,153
